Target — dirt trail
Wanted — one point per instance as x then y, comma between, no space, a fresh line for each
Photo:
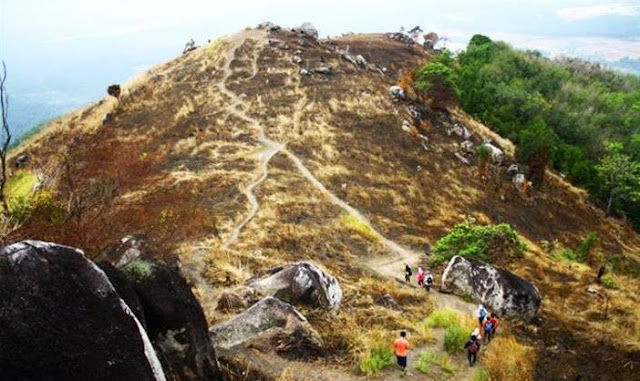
391,267
271,148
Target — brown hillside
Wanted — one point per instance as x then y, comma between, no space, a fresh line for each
182,154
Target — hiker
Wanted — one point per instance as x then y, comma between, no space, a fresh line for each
481,314
407,273
401,346
473,347
487,328
428,282
494,321
420,277
476,333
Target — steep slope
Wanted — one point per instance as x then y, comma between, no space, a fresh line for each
236,161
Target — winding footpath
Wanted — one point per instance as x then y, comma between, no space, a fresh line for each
388,266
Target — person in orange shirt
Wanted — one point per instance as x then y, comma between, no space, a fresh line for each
401,346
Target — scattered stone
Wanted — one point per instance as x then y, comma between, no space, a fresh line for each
296,60
189,46
108,118
426,139
397,92
460,130
268,26
406,126
230,301
304,71
21,160
513,170
519,181
498,289
467,146
300,282
309,30
462,158
62,319
595,293
265,318
388,302
129,249
497,155
297,52
324,69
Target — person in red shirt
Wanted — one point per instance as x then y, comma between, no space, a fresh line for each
494,322
401,346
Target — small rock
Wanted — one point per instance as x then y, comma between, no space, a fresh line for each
325,70
21,161
397,92
296,60
230,301
388,302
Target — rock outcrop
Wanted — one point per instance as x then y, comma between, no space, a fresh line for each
301,282
268,320
62,319
175,320
498,289
125,289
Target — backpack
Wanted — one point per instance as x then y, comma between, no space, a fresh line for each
488,326
483,313
473,347
429,278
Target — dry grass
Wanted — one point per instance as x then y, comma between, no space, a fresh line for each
506,359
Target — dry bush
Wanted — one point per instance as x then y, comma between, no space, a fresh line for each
407,82
505,359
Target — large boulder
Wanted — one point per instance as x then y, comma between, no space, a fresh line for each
300,282
61,319
500,290
309,30
175,320
125,289
267,321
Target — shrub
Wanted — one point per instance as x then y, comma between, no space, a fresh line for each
434,364
138,270
358,227
488,243
437,81
455,337
609,281
442,318
379,358
40,206
506,359
583,251
481,375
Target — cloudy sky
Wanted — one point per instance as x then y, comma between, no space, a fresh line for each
63,53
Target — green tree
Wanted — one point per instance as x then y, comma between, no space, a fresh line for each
535,148
620,175
436,80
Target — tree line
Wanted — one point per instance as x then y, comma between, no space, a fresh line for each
573,116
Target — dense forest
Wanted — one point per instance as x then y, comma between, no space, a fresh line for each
576,117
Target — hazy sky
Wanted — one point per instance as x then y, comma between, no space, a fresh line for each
63,53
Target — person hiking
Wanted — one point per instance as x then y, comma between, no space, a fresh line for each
420,277
428,282
487,327
473,347
401,347
407,273
476,333
494,321
481,314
